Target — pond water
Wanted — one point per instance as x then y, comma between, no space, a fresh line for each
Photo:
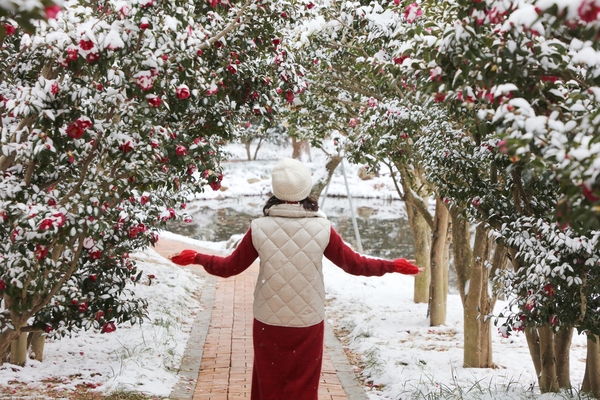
382,223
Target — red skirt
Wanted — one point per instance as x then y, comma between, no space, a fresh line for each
287,362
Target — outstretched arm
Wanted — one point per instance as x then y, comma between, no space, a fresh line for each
237,262
353,263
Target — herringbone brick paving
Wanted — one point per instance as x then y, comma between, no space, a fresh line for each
226,368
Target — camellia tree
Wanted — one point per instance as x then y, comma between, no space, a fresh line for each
112,112
517,81
524,77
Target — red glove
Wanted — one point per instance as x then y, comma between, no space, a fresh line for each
186,257
404,267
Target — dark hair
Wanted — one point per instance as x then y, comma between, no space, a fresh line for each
309,204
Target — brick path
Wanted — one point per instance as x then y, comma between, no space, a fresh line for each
226,367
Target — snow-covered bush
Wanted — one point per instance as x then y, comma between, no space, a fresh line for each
111,113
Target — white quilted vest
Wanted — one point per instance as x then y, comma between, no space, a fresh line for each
290,243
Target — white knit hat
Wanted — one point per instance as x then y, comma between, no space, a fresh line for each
291,180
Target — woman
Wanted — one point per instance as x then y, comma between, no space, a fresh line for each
290,241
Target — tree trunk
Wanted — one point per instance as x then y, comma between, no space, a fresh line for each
300,147
421,225
461,247
591,377
477,305
548,380
37,340
258,145
438,291
562,347
18,350
320,185
247,143
533,342
422,239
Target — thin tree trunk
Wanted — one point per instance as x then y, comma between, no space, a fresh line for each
461,247
422,239
37,340
259,144
562,347
477,342
591,377
300,147
438,291
548,379
18,350
320,185
421,225
248,154
533,342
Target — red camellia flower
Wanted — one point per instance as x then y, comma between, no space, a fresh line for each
144,81
549,289
154,101
231,69
95,254
213,3
412,12
82,307
86,44
276,41
144,200
72,53
40,252
181,150
84,122
132,233
182,92
92,57
289,96
588,193
2,284
93,278
588,11
9,29
54,88
126,147
52,11
439,97
144,25
60,219
108,327
46,224
215,185
75,131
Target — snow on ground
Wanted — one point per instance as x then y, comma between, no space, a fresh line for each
401,354
141,358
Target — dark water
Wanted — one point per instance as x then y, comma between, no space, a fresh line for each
382,224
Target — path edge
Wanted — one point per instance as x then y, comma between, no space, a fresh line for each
342,366
194,349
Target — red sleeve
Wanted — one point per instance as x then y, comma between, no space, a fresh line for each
353,263
237,262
